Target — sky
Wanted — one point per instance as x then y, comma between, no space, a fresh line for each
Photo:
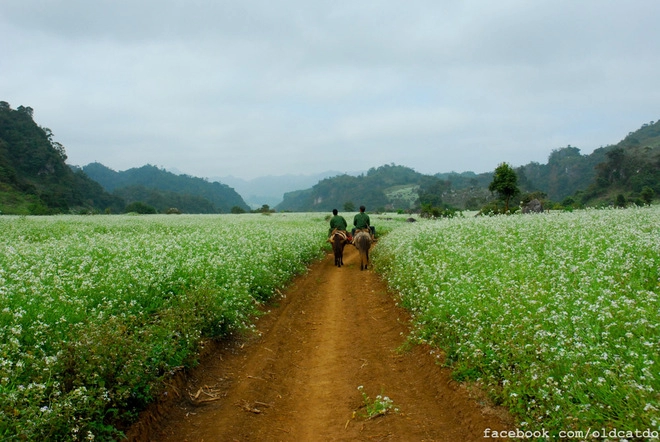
251,88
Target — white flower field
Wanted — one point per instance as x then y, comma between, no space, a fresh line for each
95,310
556,315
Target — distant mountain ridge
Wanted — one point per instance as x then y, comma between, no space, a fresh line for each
35,179
390,187
184,192
270,189
380,187
621,171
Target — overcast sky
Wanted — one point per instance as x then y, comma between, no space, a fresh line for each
272,87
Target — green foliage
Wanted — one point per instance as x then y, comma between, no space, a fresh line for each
593,179
379,406
429,211
466,180
497,207
34,179
620,200
162,200
140,207
387,188
647,194
566,172
265,209
392,188
569,203
431,190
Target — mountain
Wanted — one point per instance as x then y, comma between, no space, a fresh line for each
270,189
392,188
34,177
628,171
466,190
386,187
625,168
566,172
164,190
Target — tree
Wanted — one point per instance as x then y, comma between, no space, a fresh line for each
620,200
140,207
349,206
505,183
647,194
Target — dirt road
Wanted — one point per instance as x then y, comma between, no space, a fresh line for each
333,330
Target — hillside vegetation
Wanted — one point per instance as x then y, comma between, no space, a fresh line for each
34,178
606,176
611,175
631,169
163,190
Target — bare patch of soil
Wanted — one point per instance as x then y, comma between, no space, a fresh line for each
297,379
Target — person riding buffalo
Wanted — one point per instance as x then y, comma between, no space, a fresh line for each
337,222
361,221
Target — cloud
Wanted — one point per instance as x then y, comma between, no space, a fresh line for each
257,87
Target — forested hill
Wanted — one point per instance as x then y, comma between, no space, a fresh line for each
631,169
625,168
620,171
386,187
162,189
392,187
34,178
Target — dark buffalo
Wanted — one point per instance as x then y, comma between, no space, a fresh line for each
338,239
362,242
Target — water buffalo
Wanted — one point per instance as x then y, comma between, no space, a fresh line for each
338,239
362,242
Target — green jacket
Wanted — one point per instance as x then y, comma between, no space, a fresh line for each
338,222
361,221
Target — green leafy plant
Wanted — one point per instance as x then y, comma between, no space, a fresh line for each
379,406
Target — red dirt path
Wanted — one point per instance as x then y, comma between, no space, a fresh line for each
297,379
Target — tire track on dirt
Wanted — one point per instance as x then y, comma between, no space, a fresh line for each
333,330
